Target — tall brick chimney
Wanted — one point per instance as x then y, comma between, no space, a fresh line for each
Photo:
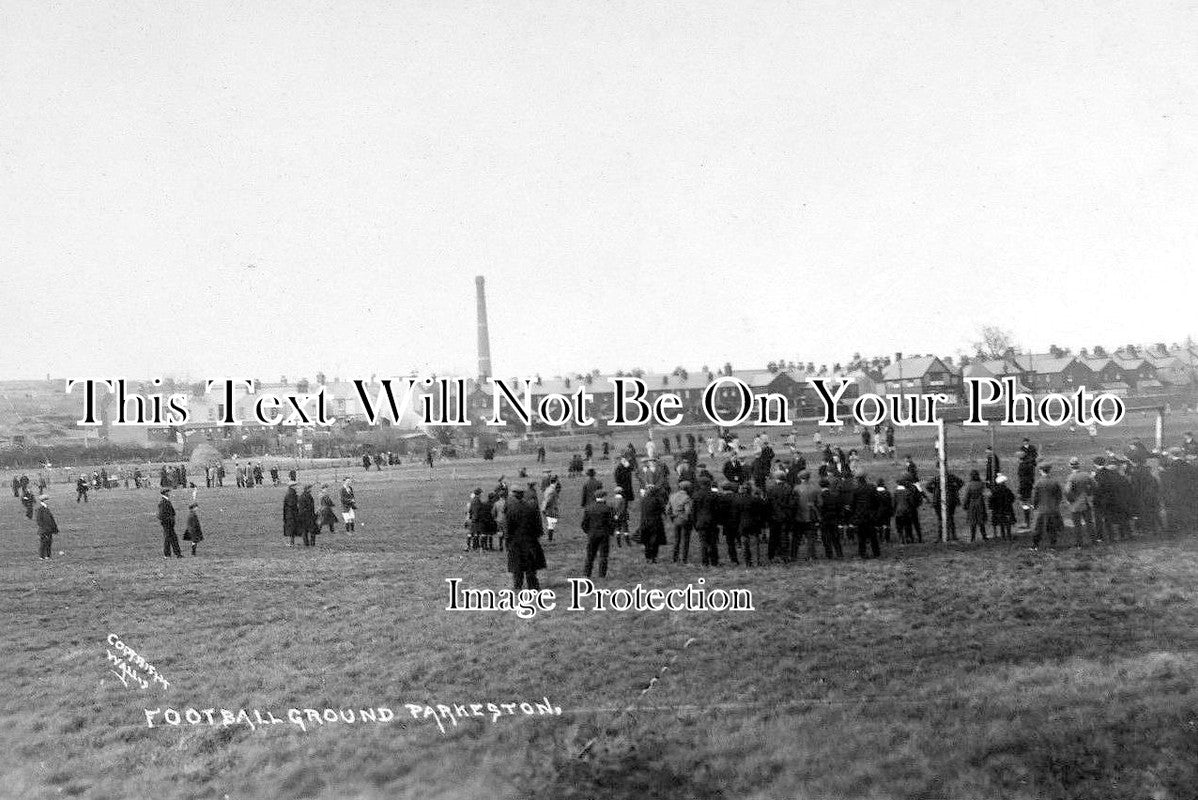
484,342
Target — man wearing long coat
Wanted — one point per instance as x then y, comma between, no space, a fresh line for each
291,513
166,518
306,518
46,528
524,553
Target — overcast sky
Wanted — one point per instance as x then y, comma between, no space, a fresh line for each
272,189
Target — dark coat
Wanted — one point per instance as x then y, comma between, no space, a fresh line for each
598,520
46,526
1002,504
307,513
704,507
524,553
291,513
975,503
652,525
589,488
863,505
745,508
883,505
327,515
907,499
166,513
623,478
193,532
782,501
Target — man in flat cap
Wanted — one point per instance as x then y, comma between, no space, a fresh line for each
46,527
598,523
166,518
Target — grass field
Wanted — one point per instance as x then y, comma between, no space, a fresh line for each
984,671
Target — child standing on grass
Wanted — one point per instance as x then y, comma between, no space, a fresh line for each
193,533
327,515
1002,507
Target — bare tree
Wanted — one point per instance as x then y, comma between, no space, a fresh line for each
994,342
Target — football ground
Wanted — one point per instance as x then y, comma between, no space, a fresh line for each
938,671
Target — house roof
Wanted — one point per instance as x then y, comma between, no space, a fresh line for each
1043,363
976,369
910,368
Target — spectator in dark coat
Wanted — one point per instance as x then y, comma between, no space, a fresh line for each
589,488
1026,474
883,509
1146,499
704,507
829,519
29,501
1002,507
622,476
652,528
326,515
291,513
307,517
524,553
862,516
1179,492
1112,493
166,518
975,506
46,527
1047,497
598,523
734,470
907,499
193,533
781,497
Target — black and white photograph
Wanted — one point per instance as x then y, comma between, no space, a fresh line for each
585,400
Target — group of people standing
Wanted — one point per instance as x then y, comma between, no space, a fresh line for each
301,519
512,520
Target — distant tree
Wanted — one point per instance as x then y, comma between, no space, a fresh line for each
810,366
301,386
993,342
1055,351
727,367
772,366
1083,353
637,372
1100,351
320,378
